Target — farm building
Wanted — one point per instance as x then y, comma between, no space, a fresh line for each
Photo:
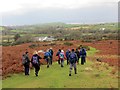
50,38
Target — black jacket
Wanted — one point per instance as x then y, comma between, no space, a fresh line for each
78,53
27,60
38,57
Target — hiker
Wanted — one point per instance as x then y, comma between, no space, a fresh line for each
35,62
51,57
47,56
57,54
83,56
73,59
67,55
62,57
77,52
26,63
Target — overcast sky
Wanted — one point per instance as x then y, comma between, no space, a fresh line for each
24,12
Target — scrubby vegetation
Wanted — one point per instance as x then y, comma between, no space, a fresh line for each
90,75
68,43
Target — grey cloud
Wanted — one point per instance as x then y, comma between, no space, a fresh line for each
82,15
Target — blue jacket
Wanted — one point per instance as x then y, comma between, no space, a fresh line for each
67,53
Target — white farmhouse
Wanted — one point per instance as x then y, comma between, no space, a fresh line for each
44,38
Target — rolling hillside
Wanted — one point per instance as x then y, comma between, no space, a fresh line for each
90,75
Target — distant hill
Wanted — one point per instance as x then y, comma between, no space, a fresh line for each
111,26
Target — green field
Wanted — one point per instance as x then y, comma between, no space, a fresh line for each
1,28
35,35
57,77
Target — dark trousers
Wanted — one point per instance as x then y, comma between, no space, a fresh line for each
48,61
67,60
37,68
26,69
78,60
83,60
62,63
51,60
58,60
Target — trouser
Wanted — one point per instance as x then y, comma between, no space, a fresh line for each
48,62
26,69
83,60
67,60
37,68
62,62
58,61
73,65
78,60
51,60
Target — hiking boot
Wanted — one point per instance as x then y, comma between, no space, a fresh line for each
62,66
48,66
36,74
69,74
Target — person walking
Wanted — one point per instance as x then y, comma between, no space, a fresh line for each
35,62
77,52
73,59
83,55
51,57
47,57
57,54
67,55
26,63
62,57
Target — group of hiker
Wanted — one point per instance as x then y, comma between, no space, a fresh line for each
72,57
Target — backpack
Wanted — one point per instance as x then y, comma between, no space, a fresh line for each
24,59
47,55
51,51
61,55
35,60
72,57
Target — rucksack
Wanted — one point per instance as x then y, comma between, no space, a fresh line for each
72,57
35,60
24,59
51,51
46,54
61,55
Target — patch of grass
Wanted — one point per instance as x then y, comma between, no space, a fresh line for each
57,77
2,28
92,51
